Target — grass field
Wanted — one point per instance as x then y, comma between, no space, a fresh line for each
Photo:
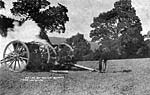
123,77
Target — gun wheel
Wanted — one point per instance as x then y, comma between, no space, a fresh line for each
65,55
16,56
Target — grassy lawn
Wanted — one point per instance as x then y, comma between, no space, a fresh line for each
123,77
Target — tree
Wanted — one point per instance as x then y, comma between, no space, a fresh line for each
145,50
5,23
119,29
147,43
80,45
2,4
49,19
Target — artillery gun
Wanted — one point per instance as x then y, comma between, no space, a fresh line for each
38,56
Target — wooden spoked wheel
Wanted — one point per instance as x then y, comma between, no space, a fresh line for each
65,53
16,56
66,46
66,49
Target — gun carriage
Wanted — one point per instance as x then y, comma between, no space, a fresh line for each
19,56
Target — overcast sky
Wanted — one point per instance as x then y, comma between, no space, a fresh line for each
81,13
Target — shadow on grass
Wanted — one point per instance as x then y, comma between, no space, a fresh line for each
71,69
122,71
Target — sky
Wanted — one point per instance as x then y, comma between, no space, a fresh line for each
81,13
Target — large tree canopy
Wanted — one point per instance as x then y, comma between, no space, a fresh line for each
80,45
49,18
118,28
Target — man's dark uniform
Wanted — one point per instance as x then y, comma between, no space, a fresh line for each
103,60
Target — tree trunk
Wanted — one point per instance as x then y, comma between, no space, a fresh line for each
44,36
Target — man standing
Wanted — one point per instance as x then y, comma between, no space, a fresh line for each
103,60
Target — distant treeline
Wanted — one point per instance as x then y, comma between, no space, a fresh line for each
83,52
